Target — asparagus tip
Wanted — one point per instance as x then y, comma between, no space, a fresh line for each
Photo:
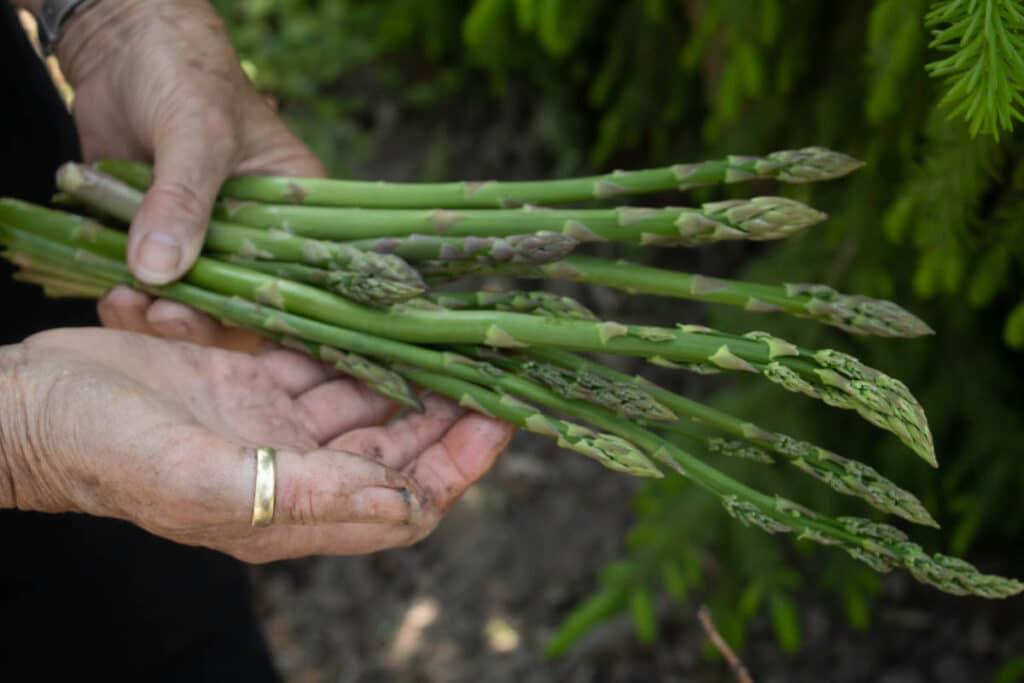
812,164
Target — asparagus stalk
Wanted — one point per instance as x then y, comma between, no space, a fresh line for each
624,399
855,314
525,249
366,289
56,287
37,271
841,474
759,218
834,378
881,546
313,337
123,201
538,303
611,451
384,381
810,164
65,268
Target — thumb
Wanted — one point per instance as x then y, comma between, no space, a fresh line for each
192,158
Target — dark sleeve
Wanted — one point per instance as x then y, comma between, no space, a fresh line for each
83,598
36,137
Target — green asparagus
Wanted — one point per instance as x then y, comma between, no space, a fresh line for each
299,274
525,249
759,218
855,314
538,303
365,289
881,546
836,379
122,201
810,164
846,476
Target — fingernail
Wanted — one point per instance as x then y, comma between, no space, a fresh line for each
378,504
159,255
414,508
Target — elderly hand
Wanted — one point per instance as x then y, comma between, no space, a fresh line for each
158,80
162,433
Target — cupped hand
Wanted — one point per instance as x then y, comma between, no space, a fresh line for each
163,433
158,80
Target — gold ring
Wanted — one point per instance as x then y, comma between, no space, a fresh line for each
266,485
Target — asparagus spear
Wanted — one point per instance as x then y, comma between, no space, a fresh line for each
855,314
366,289
56,287
834,378
43,272
66,268
881,546
810,164
609,450
314,337
122,201
538,303
625,399
526,249
384,381
759,218
841,474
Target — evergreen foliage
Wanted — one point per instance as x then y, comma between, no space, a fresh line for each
985,67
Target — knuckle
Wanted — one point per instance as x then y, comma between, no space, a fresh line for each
221,127
301,506
184,197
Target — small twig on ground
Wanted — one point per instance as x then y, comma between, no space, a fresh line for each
738,669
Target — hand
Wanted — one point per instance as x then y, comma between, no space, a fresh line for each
158,80
160,433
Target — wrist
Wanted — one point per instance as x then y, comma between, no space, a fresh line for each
14,437
33,432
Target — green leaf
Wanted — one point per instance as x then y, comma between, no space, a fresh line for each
642,611
785,623
990,275
858,613
750,600
526,14
1013,332
484,29
674,581
585,617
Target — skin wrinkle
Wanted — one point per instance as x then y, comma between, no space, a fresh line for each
44,436
86,38
234,394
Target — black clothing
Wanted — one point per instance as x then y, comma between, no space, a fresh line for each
82,596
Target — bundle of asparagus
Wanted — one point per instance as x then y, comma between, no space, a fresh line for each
340,270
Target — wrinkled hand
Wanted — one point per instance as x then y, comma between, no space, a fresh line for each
161,433
158,80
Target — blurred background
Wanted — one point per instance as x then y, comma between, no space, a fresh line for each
554,569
